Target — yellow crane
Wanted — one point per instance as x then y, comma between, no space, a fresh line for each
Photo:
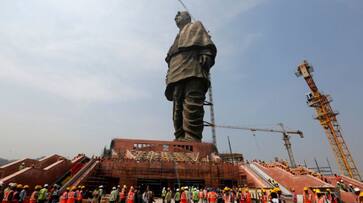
327,119
285,136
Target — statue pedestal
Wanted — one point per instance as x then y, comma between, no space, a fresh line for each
168,164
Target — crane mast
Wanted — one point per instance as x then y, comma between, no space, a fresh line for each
285,136
329,122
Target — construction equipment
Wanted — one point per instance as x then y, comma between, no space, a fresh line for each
285,136
327,118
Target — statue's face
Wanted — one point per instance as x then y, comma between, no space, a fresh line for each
182,18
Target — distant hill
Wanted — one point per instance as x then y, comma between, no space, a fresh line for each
4,161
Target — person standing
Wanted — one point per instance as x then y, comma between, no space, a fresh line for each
195,195
23,194
248,196
34,196
101,193
264,197
95,196
177,196
227,195
184,196
163,193
212,196
17,191
307,197
72,195
131,195
43,193
123,194
168,195
54,194
63,198
113,195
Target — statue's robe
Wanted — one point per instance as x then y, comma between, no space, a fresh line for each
187,79
183,56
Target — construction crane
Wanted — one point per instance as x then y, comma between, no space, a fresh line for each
285,136
327,119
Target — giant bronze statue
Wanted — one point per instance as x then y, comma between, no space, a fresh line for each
189,60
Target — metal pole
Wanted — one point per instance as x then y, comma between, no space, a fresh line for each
287,144
212,118
317,165
230,149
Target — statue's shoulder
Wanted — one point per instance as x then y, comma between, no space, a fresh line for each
197,24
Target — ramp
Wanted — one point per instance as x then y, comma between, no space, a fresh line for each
82,174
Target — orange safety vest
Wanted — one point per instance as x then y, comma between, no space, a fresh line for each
63,198
212,197
130,197
264,198
307,198
183,197
321,200
6,195
122,195
71,197
201,195
79,195
243,198
248,197
227,198
33,197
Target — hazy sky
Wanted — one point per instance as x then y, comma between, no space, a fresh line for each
75,74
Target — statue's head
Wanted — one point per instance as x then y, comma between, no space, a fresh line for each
182,18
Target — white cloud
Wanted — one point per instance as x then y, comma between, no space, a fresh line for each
75,87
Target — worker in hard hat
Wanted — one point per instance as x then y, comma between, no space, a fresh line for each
360,197
307,197
131,195
95,196
212,196
113,195
184,195
248,195
263,197
42,196
101,193
17,191
34,195
79,194
195,196
357,193
320,196
9,193
177,196
71,198
227,197
274,197
122,194
23,193
63,198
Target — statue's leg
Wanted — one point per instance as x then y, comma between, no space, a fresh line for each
195,90
178,97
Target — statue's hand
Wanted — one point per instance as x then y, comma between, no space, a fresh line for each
205,61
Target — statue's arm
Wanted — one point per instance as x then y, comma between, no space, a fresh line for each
206,58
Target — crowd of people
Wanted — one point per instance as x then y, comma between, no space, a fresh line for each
17,193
